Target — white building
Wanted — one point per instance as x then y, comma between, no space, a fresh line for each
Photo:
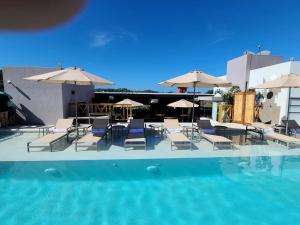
265,74
251,69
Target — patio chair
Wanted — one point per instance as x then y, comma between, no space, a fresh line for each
173,132
207,131
292,126
100,128
61,130
204,126
215,139
136,134
172,126
282,138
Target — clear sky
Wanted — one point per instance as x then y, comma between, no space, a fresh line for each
138,43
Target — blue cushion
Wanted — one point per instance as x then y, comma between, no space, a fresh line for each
297,131
98,131
136,130
208,131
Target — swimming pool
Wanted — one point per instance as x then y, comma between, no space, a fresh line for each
255,190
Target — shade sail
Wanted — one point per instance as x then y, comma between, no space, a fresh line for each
197,78
286,81
70,76
182,103
128,101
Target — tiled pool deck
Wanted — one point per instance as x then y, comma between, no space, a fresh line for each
13,148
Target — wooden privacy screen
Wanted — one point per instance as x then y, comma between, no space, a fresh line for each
238,107
244,107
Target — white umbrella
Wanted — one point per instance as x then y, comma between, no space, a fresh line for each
196,79
182,103
286,81
70,75
130,102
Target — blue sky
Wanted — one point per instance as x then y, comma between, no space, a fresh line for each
138,43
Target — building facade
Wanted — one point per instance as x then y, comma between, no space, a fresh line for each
275,102
238,69
40,103
250,70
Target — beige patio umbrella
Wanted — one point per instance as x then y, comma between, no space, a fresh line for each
286,81
128,101
71,75
182,103
196,79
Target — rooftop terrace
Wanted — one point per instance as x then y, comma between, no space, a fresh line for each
13,148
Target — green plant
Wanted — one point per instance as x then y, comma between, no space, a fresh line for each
228,95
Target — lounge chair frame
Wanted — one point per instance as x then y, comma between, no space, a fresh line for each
50,143
138,141
135,143
89,144
210,138
188,143
283,139
84,144
66,134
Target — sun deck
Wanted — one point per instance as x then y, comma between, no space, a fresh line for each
13,148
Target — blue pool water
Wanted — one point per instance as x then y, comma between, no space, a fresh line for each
256,190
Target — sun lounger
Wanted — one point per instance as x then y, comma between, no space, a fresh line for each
179,140
204,126
172,126
215,139
173,132
62,126
99,131
292,126
47,140
207,131
136,134
282,138
61,130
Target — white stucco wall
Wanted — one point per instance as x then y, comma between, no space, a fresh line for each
262,75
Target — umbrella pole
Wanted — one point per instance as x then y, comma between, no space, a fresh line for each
193,111
76,113
288,112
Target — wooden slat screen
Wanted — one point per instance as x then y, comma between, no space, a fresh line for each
238,107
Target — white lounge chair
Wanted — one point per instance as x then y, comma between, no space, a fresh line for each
207,131
172,126
100,130
136,134
179,140
61,130
282,138
173,132
215,139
